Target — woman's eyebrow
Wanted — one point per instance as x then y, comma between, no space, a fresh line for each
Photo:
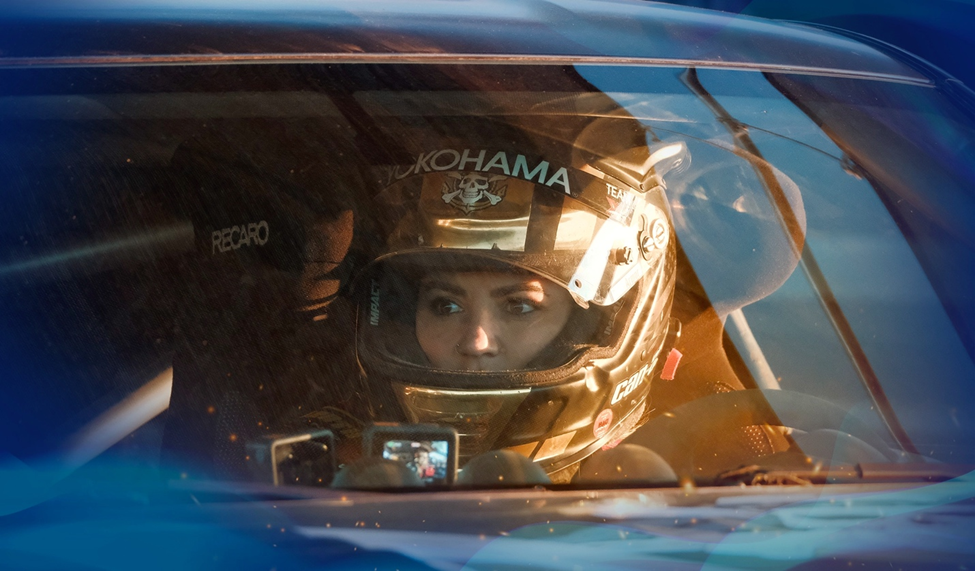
441,285
528,286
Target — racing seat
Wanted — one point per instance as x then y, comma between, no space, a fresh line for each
263,328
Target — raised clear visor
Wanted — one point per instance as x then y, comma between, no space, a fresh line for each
596,255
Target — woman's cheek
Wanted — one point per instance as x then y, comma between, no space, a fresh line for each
447,337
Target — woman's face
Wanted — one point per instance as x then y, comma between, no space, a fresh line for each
488,321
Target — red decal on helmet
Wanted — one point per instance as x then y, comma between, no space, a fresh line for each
603,421
670,367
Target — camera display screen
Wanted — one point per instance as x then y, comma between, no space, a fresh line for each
428,458
427,450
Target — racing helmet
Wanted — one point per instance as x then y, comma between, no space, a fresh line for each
585,220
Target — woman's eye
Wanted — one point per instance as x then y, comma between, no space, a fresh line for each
521,306
443,306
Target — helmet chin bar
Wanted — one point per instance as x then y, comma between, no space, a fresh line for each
477,415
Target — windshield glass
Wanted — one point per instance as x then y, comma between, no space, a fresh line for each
447,275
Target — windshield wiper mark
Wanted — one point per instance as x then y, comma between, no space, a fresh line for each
755,475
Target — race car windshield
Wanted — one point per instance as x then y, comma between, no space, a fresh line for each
314,273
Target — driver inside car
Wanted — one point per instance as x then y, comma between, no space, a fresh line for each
517,289
522,293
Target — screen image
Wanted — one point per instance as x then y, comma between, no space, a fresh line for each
428,458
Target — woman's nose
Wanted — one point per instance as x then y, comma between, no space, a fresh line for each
480,337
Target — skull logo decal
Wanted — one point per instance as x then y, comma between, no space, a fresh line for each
473,191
